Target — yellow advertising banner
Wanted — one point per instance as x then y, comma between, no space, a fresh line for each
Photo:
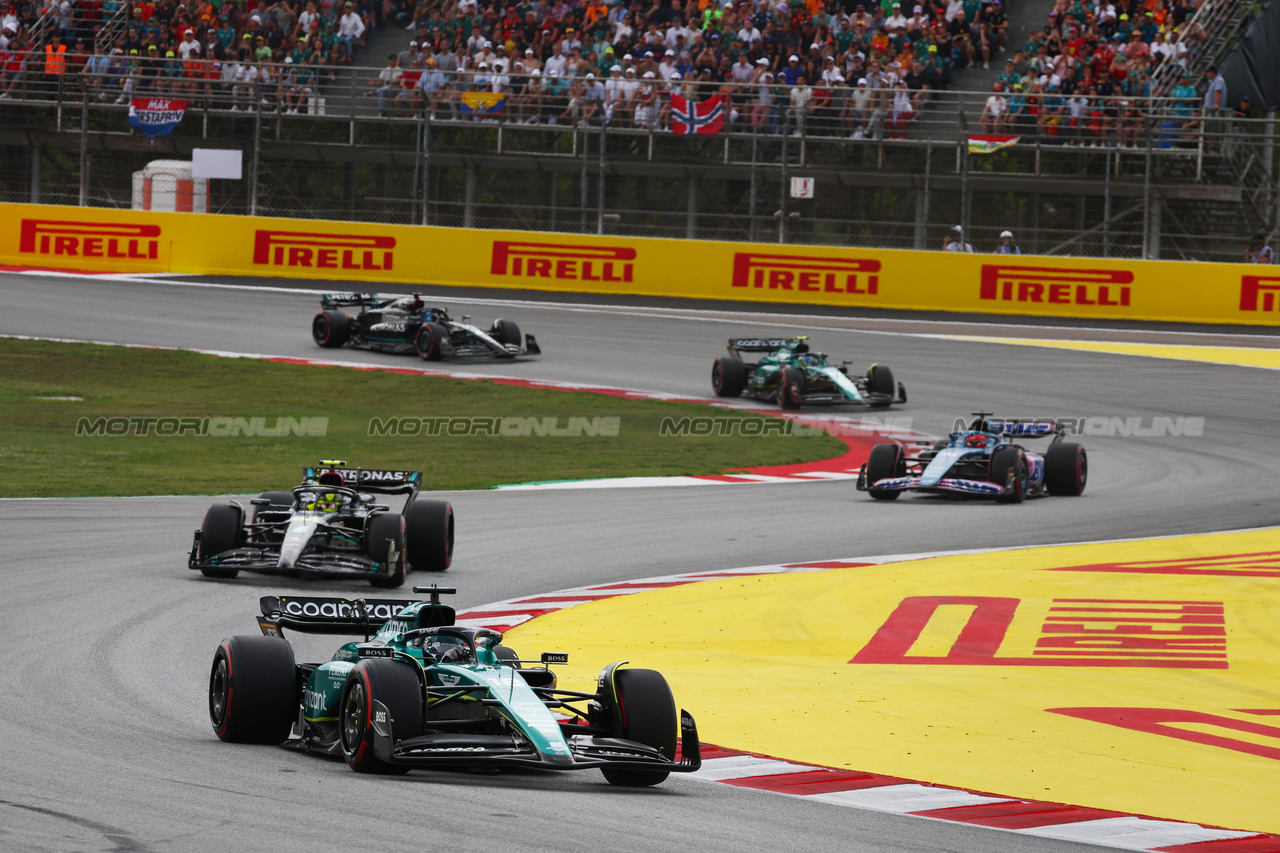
99,240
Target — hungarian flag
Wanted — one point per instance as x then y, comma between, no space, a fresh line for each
690,117
985,144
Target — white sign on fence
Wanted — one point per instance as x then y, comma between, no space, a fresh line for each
802,187
216,163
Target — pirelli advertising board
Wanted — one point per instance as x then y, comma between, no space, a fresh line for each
95,240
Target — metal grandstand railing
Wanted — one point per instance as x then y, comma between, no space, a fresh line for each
1208,34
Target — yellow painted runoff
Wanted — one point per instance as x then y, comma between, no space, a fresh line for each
1242,356
1138,676
104,240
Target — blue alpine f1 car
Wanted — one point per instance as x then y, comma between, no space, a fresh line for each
982,461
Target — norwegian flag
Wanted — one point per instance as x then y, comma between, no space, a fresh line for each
691,117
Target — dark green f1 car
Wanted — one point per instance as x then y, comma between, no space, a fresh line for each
421,691
791,375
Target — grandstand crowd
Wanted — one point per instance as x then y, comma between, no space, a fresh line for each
836,67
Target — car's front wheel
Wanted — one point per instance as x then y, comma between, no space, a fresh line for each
506,332
885,461
1003,461
396,687
648,712
1066,468
428,535
880,381
220,531
790,388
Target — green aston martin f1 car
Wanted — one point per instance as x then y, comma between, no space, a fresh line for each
421,691
791,375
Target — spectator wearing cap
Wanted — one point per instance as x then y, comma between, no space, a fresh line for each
350,31
388,82
1007,246
954,241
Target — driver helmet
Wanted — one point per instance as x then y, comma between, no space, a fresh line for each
446,648
808,358
975,441
329,501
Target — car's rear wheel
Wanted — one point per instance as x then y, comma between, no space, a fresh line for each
728,376
790,387
506,332
880,381
221,530
1066,469
886,460
429,342
253,691
648,713
385,534
1003,461
331,329
397,687
428,535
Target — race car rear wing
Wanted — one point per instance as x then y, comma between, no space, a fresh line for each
320,615
347,300
377,480
758,344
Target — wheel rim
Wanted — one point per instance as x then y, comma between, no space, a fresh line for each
717,378
1082,470
353,717
425,344
321,329
219,690
1022,476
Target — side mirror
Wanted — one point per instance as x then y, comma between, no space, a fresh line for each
365,498
261,502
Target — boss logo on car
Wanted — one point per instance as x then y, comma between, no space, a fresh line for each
375,652
379,716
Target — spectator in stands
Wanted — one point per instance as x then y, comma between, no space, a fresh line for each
1007,246
1258,251
954,241
388,82
350,31
94,75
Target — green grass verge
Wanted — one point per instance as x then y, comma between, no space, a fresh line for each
43,456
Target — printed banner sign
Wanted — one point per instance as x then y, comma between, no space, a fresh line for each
483,103
688,117
983,144
156,116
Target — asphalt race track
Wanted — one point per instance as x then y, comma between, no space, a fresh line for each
108,638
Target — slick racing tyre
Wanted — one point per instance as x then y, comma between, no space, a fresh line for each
331,329
506,332
386,531
428,535
886,460
429,342
397,687
880,381
790,388
1066,468
1002,462
728,376
279,500
253,690
648,713
221,531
